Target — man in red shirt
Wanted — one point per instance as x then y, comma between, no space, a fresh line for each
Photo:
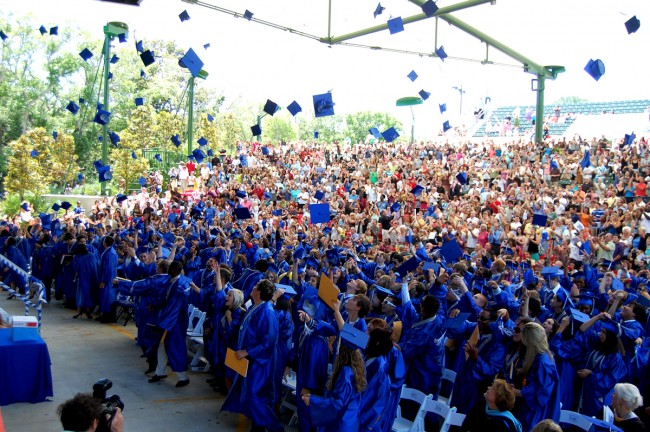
190,167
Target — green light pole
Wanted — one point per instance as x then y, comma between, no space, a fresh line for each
111,30
409,101
190,109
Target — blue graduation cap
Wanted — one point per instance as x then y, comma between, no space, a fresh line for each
139,101
294,108
407,266
80,178
65,205
256,130
56,207
206,46
46,220
104,173
375,132
82,101
319,195
120,197
451,251
55,135
395,207
158,157
440,52
86,54
540,219
390,134
643,301
114,59
456,322
143,74
424,94
142,181
176,140
288,289
353,338
632,25
429,8
184,16
276,212
241,194
42,29
54,31
3,35
378,10
250,229
299,253
267,195
248,15
431,265
412,76
148,58
270,107
102,117
395,25
319,213
443,107
315,134
210,118
139,47
327,231
462,178
323,105
617,284
629,139
198,155
578,316
110,75
417,190
446,126
242,213
265,151
114,137
133,155
333,256
122,37
25,206
550,272
202,141
33,153
595,68
72,107
169,238
210,152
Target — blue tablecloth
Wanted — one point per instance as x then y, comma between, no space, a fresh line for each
25,374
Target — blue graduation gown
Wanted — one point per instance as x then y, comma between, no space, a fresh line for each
14,255
397,373
338,410
107,272
424,354
375,400
228,337
540,394
285,331
607,371
85,266
253,395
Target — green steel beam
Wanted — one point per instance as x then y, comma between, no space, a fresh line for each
539,109
407,20
190,115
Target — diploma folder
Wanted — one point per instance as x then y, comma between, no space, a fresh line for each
239,366
327,291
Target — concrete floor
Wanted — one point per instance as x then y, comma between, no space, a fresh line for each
83,351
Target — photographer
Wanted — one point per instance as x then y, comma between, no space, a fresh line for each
82,414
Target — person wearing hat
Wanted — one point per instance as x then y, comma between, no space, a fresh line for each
86,269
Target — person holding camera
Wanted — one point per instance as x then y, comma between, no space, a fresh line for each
85,413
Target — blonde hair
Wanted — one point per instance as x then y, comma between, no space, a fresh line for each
535,340
237,298
547,426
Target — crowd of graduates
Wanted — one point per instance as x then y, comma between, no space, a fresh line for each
521,268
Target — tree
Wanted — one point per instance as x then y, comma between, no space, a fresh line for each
277,129
230,131
570,100
358,124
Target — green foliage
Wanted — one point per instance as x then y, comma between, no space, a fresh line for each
278,128
358,124
10,206
230,131
570,100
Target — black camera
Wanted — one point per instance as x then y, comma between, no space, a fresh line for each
111,403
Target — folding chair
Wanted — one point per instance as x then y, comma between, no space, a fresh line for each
405,425
448,380
448,414
289,397
575,419
125,306
195,345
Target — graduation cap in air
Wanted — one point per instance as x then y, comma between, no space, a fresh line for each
184,16
540,219
578,316
417,190
412,75
198,155
390,134
210,118
333,256
192,62
42,29
407,266
319,195
86,54
202,141
176,140
595,68
632,25
395,207
316,134
122,37
206,46
143,74
323,105
430,265
169,238
462,178
327,231
142,181
299,253
72,107
114,59
24,206
33,153
617,284
139,47
395,25
104,173
440,52
121,197
456,322
248,15
451,251
242,213
46,220
139,101
55,135
270,107
276,212
319,213
429,8
54,31
65,205
443,107
353,338
267,195
114,138
424,94
446,126
375,132
629,139
378,10
210,153
3,35
148,58
102,117
241,194
294,108
80,178
56,207
133,155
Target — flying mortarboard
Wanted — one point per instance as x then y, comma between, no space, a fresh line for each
319,213
80,178
122,37
299,253
424,94
169,238
431,265
327,231
102,117
114,59
319,195
198,155
429,8
462,178
395,25
540,219
184,16
3,35
412,76
353,338
443,108
288,289
210,118
86,54
202,141
595,68
632,25
142,181
42,29
65,205
378,10
323,105
55,135
375,132
446,126
440,52
395,207
315,134
148,58
33,153
206,46
176,140
294,108
451,251
54,31
158,157
139,47
104,173
248,15
241,194
256,130
276,212
270,107
417,190
210,153
456,322
242,213
46,220
629,139
139,101
578,316
120,197
24,206
56,207
617,284
73,108
143,74
407,266
390,134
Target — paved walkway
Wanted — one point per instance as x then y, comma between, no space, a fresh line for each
84,351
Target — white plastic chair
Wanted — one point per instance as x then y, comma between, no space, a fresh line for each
195,345
448,414
575,419
449,376
404,425
195,323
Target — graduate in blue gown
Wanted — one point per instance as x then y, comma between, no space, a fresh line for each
282,348
64,272
85,267
258,335
338,409
541,386
43,264
12,278
107,273
375,400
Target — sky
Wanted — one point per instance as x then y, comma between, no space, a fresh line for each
249,62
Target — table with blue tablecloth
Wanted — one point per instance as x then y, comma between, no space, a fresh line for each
25,373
